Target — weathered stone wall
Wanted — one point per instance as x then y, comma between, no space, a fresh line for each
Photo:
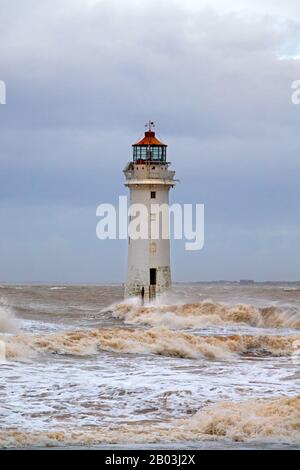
150,253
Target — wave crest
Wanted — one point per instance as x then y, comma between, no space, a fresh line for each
153,341
203,314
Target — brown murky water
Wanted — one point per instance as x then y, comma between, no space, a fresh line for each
209,366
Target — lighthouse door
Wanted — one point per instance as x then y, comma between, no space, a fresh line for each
152,287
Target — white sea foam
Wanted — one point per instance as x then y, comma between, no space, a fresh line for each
264,420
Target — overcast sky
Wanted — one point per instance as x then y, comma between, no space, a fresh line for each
83,76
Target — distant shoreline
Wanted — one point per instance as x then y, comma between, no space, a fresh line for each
120,284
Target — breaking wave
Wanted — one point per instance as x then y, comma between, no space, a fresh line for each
153,341
264,420
203,314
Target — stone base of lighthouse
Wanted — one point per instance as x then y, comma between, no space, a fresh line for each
139,279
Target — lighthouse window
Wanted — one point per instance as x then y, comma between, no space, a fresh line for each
152,153
153,194
152,248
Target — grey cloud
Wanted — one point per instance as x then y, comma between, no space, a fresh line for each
81,81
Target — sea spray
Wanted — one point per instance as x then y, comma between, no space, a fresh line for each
8,323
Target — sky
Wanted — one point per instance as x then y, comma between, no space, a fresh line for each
83,77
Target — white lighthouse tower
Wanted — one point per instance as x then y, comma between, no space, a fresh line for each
149,180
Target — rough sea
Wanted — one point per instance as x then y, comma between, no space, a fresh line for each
208,366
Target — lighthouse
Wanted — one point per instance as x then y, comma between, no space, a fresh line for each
149,181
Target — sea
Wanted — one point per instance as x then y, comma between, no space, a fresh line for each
207,366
